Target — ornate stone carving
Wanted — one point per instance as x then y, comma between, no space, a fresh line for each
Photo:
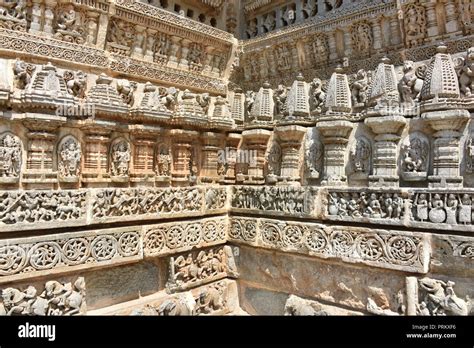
361,157
10,157
127,89
23,72
200,267
317,96
13,15
129,202
41,206
70,24
120,156
429,296
292,200
57,298
380,248
465,70
69,158
359,89
362,37
76,83
415,161
415,24
411,83
370,205
449,208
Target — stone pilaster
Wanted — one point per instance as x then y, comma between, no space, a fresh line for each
291,139
432,22
174,51
256,141
143,155
49,6
388,130
210,151
335,136
182,156
230,156
449,127
96,156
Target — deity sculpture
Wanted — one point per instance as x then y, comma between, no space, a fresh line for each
10,156
69,158
120,158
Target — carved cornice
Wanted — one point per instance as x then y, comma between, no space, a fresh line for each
151,16
337,19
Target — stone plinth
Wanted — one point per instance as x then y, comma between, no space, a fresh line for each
335,138
387,130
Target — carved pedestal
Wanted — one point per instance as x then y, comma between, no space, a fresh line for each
182,172
291,139
255,144
335,138
449,126
387,130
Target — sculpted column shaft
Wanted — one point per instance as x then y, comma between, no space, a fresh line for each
387,130
49,16
291,139
395,37
183,161
150,43
432,22
335,138
96,156
210,151
332,45
377,30
347,43
452,24
256,141
173,52
36,16
92,27
231,155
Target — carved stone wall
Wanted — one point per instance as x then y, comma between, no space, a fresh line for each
323,164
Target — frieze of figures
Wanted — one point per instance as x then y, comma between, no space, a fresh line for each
56,298
379,248
284,199
201,267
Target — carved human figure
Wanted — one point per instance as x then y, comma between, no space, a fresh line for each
69,158
252,28
164,162
437,214
249,101
283,56
10,156
319,48
359,88
362,38
120,157
441,299
451,209
360,156
270,22
465,209
416,156
415,23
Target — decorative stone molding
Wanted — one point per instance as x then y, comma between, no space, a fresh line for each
52,254
198,268
57,298
379,248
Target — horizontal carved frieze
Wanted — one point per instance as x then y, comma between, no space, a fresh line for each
378,248
200,267
32,256
44,209
55,298
171,238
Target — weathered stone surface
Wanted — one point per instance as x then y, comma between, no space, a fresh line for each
140,142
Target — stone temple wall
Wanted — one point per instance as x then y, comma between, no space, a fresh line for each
151,164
